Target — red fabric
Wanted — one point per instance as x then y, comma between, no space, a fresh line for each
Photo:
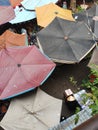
6,14
34,68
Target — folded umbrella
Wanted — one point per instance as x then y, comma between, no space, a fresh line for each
66,41
22,69
47,13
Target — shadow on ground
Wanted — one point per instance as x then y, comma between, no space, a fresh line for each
59,80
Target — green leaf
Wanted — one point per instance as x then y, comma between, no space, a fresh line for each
76,119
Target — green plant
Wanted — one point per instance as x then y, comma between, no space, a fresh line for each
91,84
79,9
72,81
77,115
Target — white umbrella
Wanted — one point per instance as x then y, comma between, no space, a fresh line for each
22,15
34,111
32,4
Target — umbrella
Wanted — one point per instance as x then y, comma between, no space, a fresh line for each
4,2
25,68
32,4
22,15
45,14
66,41
15,3
9,38
96,22
35,111
93,63
87,16
6,14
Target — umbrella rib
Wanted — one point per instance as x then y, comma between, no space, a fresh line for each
26,78
30,112
71,31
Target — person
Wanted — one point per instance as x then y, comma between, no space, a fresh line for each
64,5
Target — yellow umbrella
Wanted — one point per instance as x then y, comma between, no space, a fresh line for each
45,14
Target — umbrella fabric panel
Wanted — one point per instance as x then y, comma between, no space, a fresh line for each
93,63
96,23
66,40
49,12
25,108
27,65
15,3
87,16
96,29
22,15
9,38
32,4
8,12
4,2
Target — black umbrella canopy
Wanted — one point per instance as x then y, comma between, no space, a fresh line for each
66,41
87,16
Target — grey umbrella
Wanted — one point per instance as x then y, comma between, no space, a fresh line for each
96,23
87,16
66,41
93,63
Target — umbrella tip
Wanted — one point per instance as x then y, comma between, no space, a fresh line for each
65,37
19,65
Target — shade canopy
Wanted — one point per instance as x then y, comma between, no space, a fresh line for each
25,68
32,4
6,14
37,111
87,16
9,38
4,2
15,3
96,22
22,15
66,41
93,63
47,13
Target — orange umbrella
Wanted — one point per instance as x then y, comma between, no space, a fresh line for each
15,3
45,14
9,38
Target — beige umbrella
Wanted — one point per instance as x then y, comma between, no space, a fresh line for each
34,111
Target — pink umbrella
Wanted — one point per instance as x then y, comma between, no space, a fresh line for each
6,14
22,69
